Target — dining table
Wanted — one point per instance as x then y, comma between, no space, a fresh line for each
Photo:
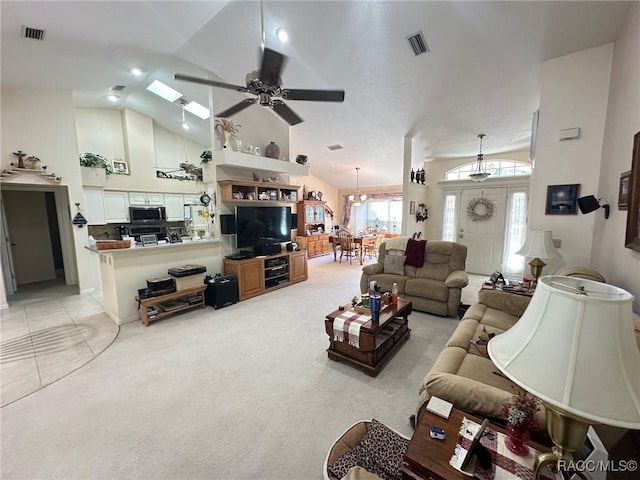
360,241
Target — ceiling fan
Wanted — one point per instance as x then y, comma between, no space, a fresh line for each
266,85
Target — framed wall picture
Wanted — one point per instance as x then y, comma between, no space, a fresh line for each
623,191
632,237
562,199
120,166
412,207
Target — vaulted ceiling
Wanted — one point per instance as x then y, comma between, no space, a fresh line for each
481,74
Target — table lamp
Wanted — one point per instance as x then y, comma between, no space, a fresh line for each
574,349
539,244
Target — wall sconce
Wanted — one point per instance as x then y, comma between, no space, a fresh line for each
590,204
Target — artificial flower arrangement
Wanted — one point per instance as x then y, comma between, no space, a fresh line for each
520,413
225,125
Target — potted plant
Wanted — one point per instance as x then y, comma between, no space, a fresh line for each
205,156
521,420
95,169
301,159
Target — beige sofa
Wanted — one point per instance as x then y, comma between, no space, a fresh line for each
463,374
435,287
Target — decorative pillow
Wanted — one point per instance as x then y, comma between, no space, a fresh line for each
415,252
394,264
380,452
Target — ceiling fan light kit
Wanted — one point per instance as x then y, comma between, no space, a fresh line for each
480,174
266,85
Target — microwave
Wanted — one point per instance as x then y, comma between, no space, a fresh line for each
147,214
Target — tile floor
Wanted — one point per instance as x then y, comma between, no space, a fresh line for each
47,332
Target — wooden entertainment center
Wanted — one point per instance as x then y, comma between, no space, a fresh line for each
267,273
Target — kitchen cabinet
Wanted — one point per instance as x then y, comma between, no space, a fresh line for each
116,207
146,198
94,206
174,206
192,199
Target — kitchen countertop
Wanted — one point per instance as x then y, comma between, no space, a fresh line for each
139,249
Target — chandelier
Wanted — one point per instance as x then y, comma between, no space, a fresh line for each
480,174
357,196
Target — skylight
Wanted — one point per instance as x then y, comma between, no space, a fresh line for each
198,110
164,91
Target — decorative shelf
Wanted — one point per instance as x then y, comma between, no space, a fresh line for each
231,159
29,176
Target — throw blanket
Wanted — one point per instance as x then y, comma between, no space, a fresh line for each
346,327
398,243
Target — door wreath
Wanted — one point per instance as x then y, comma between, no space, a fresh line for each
480,209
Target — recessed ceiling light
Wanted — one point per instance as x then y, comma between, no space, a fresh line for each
198,110
113,98
136,71
164,91
282,35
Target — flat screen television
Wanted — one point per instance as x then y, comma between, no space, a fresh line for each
256,226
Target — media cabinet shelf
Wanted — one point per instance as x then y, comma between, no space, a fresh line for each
154,302
249,192
252,273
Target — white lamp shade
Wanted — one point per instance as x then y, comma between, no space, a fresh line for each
576,351
539,244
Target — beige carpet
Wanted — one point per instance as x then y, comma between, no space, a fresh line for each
242,392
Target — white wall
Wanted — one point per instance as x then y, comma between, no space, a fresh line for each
619,265
99,131
41,122
574,93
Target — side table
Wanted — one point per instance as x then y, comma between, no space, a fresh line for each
428,458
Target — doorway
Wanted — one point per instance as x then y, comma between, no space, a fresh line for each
33,224
491,239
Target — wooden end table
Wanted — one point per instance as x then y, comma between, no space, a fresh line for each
378,341
428,458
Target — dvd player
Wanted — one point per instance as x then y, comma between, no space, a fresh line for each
240,256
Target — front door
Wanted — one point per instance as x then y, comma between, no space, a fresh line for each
483,237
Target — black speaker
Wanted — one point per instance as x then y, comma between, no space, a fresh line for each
267,249
289,247
221,291
588,204
294,220
228,224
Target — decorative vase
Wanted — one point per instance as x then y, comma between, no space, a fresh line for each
227,141
272,151
517,438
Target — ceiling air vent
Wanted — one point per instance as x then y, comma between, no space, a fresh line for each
335,147
418,43
118,88
35,33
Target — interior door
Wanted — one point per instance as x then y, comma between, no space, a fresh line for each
484,239
8,268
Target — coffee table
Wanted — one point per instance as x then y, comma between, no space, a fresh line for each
379,341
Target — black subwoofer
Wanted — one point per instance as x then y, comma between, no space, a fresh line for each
221,291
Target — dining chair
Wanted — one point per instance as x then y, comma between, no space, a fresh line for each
382,234
371,230
347,245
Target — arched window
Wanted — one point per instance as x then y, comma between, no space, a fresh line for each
497,168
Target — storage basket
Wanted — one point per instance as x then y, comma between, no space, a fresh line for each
112,244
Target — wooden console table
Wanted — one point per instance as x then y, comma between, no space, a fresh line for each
151,304
378,341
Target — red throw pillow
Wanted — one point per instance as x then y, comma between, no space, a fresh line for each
415,252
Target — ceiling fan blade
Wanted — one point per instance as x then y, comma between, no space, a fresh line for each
285,112
237,108
206,81
272,64
313,95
